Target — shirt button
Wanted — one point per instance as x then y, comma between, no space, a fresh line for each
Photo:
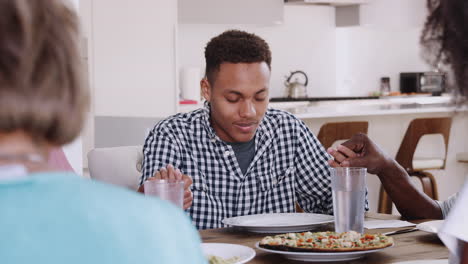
227,153
275,182
213,140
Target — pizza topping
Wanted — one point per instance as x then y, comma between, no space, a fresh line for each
327,241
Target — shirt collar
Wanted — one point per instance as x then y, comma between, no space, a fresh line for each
206,121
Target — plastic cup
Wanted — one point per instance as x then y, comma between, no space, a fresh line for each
349,196
169,190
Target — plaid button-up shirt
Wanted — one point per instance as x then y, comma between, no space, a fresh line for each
289,165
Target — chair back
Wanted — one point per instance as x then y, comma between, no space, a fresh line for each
117,165
416,129
331,132
405,155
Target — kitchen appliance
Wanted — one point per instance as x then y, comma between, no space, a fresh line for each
190,83
422,82
296,89
385,86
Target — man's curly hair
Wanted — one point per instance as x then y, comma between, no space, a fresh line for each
445,38
235,46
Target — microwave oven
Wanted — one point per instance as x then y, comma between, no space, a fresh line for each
422,82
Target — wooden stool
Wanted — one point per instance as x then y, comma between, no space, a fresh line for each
331,132
416,129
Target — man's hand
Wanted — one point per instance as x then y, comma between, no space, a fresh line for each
171,173
360,151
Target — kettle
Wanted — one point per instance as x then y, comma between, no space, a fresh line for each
296,89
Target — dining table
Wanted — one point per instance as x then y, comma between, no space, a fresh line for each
416,245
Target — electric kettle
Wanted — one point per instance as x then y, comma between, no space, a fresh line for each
296,89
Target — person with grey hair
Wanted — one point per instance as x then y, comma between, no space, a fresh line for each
56,217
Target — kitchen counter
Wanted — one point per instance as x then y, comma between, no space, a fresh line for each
348,110
316,99
384,106
360,106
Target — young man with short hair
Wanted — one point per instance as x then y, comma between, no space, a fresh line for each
243,157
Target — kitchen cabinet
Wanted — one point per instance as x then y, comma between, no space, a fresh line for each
399,14
328,2
260,12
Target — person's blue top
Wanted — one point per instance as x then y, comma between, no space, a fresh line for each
58,218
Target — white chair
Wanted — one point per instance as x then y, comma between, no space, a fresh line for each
118,165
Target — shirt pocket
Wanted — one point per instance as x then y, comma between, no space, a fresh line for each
272,179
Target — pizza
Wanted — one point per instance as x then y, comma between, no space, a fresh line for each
326,242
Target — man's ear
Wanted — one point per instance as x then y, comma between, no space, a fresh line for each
206,89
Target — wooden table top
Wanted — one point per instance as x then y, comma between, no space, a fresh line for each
408,246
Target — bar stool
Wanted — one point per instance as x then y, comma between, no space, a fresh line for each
331,132
418,168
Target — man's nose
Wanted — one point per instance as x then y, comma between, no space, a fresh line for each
247,110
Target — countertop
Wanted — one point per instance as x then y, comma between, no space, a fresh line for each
382,106
370,107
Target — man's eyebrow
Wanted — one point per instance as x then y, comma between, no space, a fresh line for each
239,93
235,92
261,91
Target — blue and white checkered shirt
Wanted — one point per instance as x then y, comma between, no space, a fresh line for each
289,165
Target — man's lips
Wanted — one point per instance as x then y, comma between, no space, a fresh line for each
246,127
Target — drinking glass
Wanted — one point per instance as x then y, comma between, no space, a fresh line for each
169,190
349,194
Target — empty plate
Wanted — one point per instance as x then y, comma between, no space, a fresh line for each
278,222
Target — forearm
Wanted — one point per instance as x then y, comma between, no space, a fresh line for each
410,202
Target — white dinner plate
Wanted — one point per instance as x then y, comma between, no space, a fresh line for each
430,226
279,222
321,256
227,251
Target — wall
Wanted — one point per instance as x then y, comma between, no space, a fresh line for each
365,54
305,41
129,48
385,44
134,57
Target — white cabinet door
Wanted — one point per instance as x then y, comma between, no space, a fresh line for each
134,57
260,12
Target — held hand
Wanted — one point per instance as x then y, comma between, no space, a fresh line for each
360,151
171,173
340,154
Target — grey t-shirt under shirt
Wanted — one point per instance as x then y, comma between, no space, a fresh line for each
245,152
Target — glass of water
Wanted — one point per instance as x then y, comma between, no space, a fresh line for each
169,190
349,195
